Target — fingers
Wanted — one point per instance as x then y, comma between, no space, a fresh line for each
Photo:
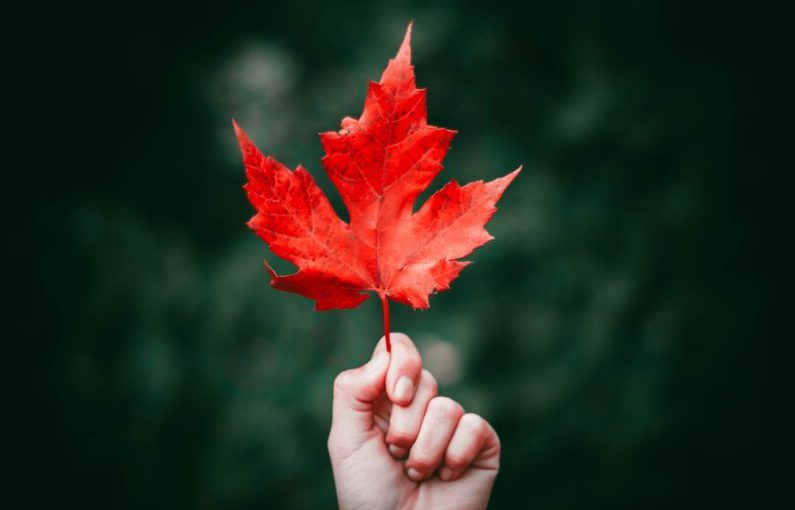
355,394
474,443
358,408
438,425
404,369
405,421
393,395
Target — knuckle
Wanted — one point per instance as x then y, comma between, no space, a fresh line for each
429,380
401,438
422,462
456,461
400,338
497,445
405,349
343,381
474,422
478,426
445,406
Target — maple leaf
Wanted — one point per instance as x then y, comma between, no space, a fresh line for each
380,164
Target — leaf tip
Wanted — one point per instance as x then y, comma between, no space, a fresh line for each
502,182
241,135
238,129
405,47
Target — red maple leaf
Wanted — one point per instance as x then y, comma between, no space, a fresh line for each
380,164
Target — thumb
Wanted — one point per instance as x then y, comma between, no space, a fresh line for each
355,393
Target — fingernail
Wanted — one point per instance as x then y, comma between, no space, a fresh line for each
397,451
404,389
414,474
446,473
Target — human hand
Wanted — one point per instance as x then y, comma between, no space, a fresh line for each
395,444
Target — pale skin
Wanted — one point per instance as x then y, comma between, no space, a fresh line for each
396,444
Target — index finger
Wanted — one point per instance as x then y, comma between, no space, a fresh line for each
404,370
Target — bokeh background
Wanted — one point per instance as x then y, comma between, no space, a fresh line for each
613,332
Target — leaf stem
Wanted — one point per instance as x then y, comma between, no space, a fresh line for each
385,306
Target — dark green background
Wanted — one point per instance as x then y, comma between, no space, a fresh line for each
615,332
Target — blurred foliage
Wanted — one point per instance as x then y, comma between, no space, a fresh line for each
606,332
